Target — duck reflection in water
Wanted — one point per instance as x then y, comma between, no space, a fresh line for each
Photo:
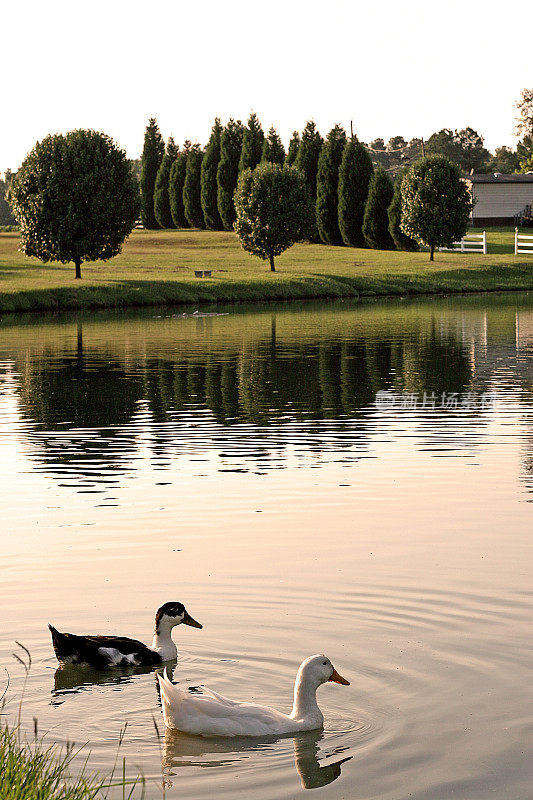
73,678
182,750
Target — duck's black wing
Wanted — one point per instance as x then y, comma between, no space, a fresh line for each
101,652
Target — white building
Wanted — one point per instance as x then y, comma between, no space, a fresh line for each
501,199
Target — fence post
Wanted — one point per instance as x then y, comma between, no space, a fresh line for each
516,241
462,244
484,243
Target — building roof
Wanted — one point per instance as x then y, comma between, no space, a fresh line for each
499,177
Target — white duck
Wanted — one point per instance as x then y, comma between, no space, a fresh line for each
211,714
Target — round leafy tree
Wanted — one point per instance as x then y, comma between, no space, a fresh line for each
436,203
272,210
75,198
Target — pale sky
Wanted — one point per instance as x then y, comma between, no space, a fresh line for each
396,68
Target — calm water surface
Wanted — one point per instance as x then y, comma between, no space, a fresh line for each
241,464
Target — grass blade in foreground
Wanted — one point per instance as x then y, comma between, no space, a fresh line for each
33,772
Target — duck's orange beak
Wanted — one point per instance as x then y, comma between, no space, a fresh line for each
336,678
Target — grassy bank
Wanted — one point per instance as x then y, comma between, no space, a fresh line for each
33,772
157,268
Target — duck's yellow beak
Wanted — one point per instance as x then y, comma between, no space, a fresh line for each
188,620
336,678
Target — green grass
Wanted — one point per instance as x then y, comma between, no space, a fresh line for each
157,268
34,772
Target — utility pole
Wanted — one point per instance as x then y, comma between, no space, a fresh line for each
351,128
423,151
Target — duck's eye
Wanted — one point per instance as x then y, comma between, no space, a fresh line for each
325,663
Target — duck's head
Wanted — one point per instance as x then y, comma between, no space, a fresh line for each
319,669
171,614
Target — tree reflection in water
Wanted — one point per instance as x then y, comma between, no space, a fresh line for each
88,409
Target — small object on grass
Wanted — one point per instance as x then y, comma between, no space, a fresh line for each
202,273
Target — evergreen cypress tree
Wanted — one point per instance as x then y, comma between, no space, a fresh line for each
161,195
327,186
355,173
401,240
191,188
376,219
152,156
307,162
252,144
208,179
228,171
6,214
294,144
175,187
273,150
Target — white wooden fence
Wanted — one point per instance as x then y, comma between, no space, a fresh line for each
470,243
523,243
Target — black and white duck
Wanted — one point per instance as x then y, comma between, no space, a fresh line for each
102,652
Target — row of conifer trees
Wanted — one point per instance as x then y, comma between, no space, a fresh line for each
355,204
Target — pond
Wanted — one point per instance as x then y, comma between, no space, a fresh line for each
342,478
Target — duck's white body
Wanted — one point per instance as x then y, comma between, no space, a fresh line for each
211,714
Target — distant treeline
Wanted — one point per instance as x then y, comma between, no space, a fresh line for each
194,187
191,186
